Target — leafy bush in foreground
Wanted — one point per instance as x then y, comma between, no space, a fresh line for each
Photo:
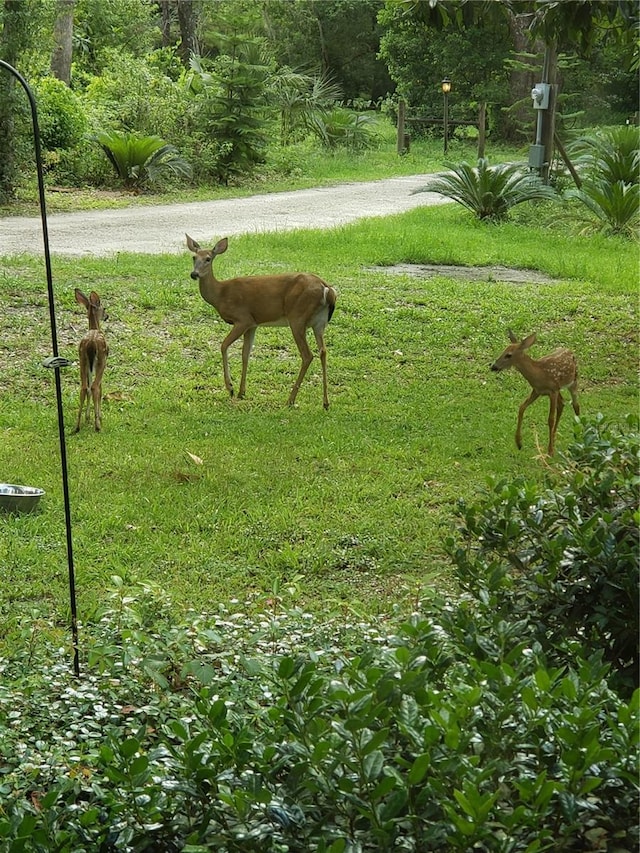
468,726
448,732
565,557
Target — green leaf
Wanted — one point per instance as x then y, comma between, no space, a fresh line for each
372,765
129,747
419,769
394,806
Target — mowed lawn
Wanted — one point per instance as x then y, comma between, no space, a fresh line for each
215,499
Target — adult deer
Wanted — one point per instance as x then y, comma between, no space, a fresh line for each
547,377
93,352
298,300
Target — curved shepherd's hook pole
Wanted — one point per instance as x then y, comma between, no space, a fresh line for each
55,362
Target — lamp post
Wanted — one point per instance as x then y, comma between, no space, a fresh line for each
446,88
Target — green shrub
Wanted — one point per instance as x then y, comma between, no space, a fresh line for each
133,94
446,732
564,558
61,117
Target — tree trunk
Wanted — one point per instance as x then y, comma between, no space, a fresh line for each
165,25
188,20
63,41
521,81
13,40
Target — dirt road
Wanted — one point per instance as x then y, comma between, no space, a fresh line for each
159,229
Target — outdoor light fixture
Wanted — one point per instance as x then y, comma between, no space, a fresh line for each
446,88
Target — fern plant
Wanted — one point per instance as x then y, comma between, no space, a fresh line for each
141,160
489,192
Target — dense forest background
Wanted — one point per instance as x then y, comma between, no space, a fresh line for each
218,84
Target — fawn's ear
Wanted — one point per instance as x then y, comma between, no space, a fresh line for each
528,342
94,299
221,246
191,244
81,299
512,337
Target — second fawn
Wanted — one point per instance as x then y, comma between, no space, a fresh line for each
93,351
547,377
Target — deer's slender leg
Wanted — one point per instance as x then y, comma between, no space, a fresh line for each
555,410
573,390
247,346
96,393
84,390
523,408
323,361
236,332
306,355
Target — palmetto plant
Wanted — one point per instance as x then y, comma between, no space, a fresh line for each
609,164
301,98
140,160
489,191
341,127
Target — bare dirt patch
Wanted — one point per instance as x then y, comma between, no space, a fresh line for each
489,273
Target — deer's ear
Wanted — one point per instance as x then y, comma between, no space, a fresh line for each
94,299
528,342
191,244
81,299
221,246
512,337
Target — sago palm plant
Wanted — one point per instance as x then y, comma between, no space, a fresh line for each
487,191
140,160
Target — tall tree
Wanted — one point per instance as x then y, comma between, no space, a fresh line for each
13,40
338,38
188,13
63,41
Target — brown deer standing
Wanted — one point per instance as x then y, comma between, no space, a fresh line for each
93,352
297,300
547,377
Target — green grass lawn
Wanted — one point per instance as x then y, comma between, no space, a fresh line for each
343,509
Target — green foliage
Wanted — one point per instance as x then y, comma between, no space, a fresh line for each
140,160
564,559
419,56
230,106
489,192
344,128
61,117
609,163
300,98
133,94
445,731
340,38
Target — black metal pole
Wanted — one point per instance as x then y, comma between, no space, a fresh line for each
446,121
56,363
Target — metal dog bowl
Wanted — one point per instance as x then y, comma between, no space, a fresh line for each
19,498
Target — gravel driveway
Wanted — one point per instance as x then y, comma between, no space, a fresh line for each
158,229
